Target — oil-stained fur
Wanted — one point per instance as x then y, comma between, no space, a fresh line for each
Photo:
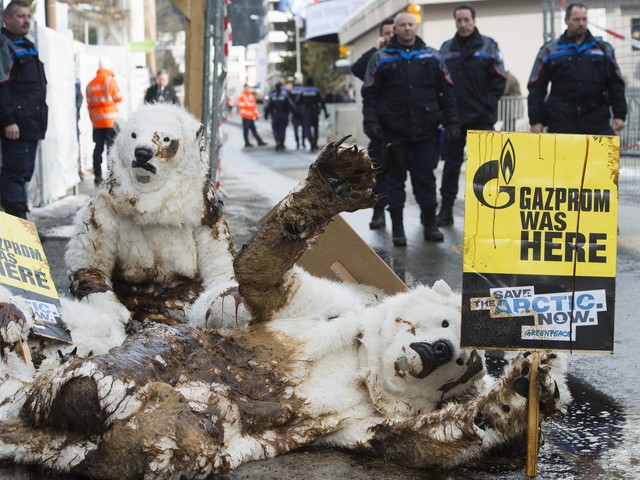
340,180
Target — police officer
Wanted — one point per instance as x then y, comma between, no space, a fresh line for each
406,96
279,106
586,84
375,148
475,64
296,117
310,102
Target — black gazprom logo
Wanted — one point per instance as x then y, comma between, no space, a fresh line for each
493,170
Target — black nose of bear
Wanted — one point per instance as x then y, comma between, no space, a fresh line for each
432,355
143,154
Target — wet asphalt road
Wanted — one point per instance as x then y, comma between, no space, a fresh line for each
596,440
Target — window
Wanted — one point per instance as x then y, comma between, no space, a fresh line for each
635,34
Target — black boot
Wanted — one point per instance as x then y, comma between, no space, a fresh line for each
378,220
445,217
428,219
17,210
397,228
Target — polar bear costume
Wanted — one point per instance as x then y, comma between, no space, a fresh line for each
153,240
320,363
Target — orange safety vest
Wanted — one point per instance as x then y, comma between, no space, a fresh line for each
102,95
247,106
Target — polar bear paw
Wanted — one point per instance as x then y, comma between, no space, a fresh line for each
349,173
553,393
15,323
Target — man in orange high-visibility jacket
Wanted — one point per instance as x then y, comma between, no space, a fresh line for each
249,112
103,94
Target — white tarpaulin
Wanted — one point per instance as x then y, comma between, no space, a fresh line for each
57,161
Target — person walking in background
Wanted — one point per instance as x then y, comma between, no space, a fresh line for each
310,102
513,109
296,117
279,107
475,64
406,96
103,95
586,84
511,86
161,91
248,108
23,107
375,148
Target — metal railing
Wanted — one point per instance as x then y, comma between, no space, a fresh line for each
512,117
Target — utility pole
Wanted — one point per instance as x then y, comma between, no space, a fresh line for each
548,19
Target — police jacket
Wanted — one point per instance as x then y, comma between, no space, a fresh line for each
407,91
103,94
477,70
310,100
280,103
359,68
585,86
23,87
167,95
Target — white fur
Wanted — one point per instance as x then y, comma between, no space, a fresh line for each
149,225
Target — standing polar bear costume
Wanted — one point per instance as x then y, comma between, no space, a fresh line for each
153,239
320,363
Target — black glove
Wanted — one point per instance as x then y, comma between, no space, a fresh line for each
452,132
372,129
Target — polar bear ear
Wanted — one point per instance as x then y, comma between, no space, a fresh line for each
442,288
117,124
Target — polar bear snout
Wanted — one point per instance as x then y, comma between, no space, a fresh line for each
143,155
432,355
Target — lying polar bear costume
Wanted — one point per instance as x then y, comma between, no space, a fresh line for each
384,377
153,239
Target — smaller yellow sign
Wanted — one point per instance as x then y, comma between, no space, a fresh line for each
25,272
22,261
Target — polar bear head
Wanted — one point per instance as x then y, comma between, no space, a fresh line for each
159,164
413,352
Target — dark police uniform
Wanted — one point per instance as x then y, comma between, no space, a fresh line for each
279,106
586,86
408,94
296,118
310,102
375,149
477,70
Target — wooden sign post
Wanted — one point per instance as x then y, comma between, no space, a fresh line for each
539,258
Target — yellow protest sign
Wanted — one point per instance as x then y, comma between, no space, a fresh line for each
25,272
540,232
